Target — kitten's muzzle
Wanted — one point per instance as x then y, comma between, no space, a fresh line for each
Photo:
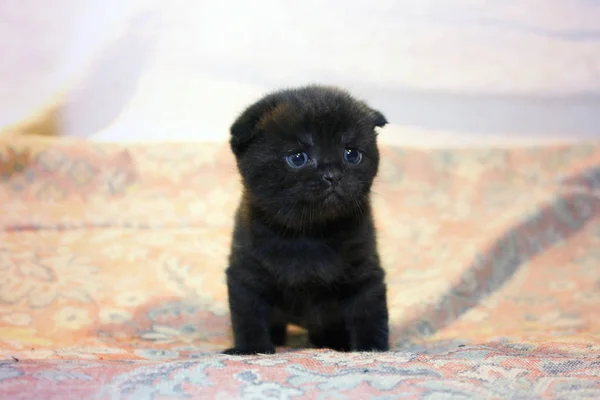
332,178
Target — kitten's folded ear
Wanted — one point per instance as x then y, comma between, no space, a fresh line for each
379,119
245,128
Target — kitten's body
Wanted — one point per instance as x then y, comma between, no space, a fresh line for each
304,249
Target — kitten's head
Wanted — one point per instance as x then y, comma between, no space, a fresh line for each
307,155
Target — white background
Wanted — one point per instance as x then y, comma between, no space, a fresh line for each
443,72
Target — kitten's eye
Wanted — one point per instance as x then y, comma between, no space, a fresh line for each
352,156
297,160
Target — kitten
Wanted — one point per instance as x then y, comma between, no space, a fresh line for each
304,249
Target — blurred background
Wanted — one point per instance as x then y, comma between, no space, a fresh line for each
462,72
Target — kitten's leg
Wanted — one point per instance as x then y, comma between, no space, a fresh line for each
250,317
334,336
367,318
278,327
278,333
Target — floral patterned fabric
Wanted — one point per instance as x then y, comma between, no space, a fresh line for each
112,284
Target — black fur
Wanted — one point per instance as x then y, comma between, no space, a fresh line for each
304,249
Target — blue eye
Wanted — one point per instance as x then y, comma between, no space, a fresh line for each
297,160
352,156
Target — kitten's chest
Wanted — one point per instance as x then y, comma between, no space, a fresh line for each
301,260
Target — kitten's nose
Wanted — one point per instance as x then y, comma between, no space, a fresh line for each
332,177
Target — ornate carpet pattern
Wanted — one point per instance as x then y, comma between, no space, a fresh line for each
112,284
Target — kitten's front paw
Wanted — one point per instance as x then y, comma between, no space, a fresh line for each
249,351
373,346
372,349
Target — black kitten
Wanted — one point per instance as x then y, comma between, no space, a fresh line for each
304,249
